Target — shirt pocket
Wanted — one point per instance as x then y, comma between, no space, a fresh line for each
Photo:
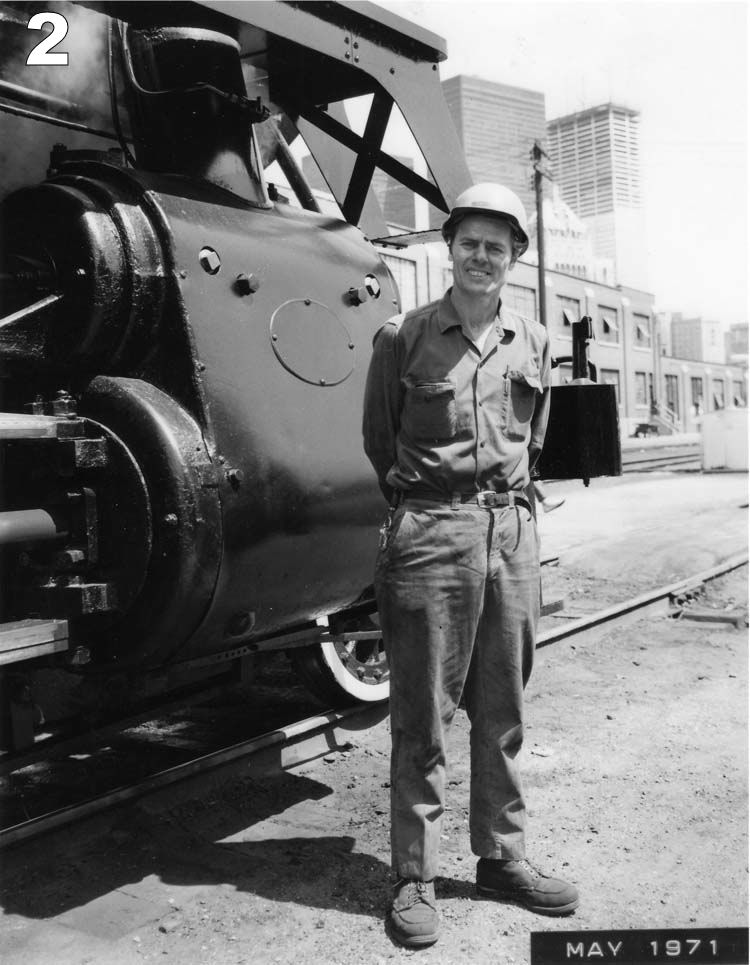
430,413
522,388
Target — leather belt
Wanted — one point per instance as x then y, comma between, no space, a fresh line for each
488,499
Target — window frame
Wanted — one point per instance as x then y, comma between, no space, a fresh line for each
610,327
565,305
641,382
603,373
641,324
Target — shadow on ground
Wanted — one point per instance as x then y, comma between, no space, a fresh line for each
217,840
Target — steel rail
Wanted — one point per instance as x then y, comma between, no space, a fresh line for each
674,459
660,457
292,735
303,734
646,604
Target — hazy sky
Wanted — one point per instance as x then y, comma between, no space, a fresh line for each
683,65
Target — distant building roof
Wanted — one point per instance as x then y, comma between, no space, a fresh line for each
599,109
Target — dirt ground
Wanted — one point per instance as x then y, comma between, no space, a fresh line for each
635,766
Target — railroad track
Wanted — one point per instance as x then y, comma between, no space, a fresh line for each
661,457
329,732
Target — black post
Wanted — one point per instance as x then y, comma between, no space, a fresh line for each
537,153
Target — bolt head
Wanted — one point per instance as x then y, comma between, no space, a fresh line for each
372,285
357,295
246,284
209,260
235,477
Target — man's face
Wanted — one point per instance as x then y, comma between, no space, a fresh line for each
482,253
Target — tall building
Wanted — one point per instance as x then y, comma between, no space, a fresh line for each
595,159
737,344
696,338
497,125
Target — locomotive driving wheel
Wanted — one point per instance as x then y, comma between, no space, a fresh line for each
345,670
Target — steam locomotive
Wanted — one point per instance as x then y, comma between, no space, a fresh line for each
185,332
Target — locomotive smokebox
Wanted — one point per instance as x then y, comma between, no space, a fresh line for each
186,329
188,107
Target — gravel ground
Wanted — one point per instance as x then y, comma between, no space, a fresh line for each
636,776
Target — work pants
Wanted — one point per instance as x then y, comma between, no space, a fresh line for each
458,592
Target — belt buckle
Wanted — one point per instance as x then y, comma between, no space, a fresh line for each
486,499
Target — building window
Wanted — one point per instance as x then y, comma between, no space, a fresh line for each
520,299
696,394
642,331
611,377
608,329
565,373
404,272
717,391
641,397
570,310
738,394
672,394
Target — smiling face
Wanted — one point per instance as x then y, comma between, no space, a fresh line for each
482,253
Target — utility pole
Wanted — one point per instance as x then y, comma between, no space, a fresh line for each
536,155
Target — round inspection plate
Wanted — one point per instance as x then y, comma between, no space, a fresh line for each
311,342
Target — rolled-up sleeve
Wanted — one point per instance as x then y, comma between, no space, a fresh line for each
382,406
541,410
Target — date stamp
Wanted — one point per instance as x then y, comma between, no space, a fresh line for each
700,946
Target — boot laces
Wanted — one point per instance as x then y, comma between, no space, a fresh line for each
412,892
532,869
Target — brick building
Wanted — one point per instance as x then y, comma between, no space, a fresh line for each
696,338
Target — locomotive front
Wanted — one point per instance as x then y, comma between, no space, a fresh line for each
183,360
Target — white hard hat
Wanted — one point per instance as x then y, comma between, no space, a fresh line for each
492,199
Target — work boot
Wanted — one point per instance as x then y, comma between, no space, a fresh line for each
414,917
520,882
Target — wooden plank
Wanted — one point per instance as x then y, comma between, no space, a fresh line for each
17,425
31,653
736,616
554,606
27,639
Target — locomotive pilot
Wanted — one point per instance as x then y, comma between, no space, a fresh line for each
455,413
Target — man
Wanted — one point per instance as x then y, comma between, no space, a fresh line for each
456,408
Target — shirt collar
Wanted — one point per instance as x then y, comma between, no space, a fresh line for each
448,316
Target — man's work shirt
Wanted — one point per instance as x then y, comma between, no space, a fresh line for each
443,417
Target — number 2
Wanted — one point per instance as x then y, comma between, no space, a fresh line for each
41,53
